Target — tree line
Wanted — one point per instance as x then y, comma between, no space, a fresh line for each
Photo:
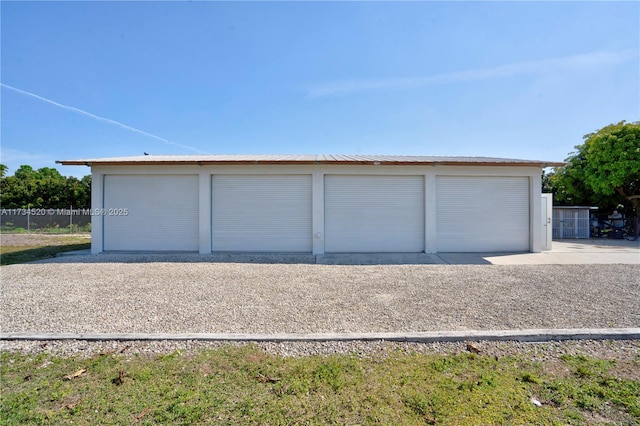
43,188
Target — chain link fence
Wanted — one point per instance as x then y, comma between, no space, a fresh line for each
58,221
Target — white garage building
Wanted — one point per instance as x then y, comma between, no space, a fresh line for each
314,203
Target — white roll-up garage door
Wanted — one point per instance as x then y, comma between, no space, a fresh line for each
161,212
482,214
374,213
261,213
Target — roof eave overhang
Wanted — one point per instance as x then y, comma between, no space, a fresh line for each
303,162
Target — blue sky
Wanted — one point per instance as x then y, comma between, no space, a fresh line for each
501,79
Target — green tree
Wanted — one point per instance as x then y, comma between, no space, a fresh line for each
78,192
44,188
18,191
604,170
50,188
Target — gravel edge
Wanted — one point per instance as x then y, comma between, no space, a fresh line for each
622,350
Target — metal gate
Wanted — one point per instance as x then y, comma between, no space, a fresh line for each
570,222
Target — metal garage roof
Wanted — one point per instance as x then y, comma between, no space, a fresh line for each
307,159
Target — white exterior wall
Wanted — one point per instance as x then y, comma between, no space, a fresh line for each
317,172
535,204
430,243
317,210
204,231
97,203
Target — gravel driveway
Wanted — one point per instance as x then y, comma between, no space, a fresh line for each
65,295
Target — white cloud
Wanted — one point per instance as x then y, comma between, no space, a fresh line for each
10,155
585,61
14,158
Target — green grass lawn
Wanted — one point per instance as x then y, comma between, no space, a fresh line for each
27,248
244,385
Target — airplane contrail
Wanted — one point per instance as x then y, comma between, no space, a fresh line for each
104,119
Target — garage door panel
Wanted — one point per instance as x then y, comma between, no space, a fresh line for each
482,214
261,213
374,213
162,212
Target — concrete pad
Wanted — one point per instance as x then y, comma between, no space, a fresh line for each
259,257
379,259
566,259
564,252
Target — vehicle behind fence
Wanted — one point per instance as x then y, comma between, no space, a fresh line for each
45,220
